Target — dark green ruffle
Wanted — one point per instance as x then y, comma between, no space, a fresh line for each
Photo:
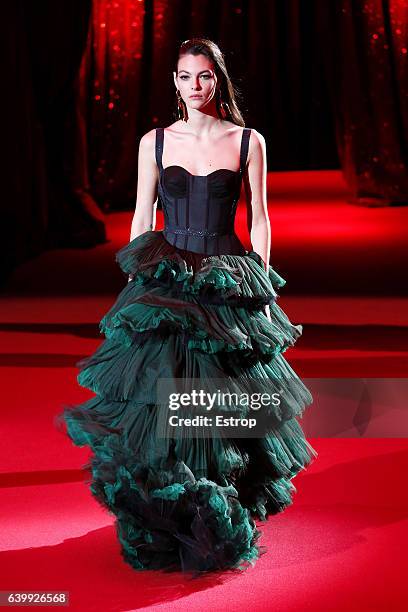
197,525
141,371
239,275
186,503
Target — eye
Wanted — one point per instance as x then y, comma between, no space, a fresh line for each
184,77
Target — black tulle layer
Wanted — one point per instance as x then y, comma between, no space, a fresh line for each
189,502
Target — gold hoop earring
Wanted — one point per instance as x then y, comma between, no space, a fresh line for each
181,107
224,108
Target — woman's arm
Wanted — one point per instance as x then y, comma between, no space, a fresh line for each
257,200
144,217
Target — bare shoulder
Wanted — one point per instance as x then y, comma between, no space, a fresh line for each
257,145
147,147
257,138
148,139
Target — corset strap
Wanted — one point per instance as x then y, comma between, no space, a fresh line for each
246,133
159,147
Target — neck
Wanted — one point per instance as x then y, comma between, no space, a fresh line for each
202,123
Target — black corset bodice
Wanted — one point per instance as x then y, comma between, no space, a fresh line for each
199,210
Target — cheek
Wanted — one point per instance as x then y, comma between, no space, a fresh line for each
207,88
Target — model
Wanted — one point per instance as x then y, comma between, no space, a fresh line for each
197,306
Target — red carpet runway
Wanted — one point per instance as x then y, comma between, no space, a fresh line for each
342,545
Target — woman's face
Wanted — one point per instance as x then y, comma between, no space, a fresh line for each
196,77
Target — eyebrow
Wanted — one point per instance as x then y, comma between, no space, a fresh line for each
201,71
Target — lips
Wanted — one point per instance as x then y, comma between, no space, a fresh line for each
196,96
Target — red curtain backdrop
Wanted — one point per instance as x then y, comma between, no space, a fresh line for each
325,82
273,59
367,71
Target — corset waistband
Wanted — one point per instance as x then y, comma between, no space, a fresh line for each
191,232
204,241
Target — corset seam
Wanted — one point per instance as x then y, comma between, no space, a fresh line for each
207,214
187,217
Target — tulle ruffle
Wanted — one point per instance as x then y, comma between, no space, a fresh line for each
168,519
188,502
150,256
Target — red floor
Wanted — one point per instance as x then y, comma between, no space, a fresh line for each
341,545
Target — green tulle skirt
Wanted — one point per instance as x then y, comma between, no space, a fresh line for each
186,502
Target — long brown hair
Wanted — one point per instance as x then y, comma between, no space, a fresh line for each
228,93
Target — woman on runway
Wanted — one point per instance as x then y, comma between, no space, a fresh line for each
197,306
